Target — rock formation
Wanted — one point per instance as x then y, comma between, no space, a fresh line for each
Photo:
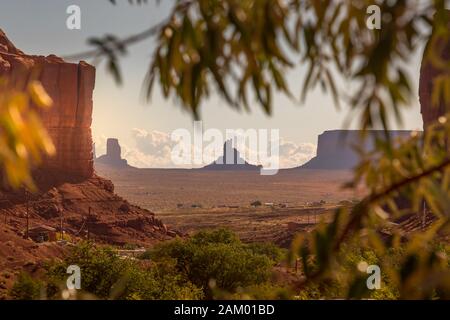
336,148
69,120
113,156
428,75
85,208
231,160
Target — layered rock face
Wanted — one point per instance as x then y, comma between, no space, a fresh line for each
336,149
69,120
113,155
428,75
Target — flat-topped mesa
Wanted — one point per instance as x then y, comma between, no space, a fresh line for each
428,75
336,148
69,121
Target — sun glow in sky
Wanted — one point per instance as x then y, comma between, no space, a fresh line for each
39,27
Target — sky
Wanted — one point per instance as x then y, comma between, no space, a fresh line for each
143,129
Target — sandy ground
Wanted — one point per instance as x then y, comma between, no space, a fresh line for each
161,190
190,200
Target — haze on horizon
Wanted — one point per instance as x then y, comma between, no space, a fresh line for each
39,27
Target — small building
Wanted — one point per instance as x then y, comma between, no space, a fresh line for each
42,233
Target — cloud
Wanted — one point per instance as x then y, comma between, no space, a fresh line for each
100,145
154,143
293,154
152,149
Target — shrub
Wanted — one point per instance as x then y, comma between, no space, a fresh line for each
275,253
106,275
256,203
215,260
348,281
25,288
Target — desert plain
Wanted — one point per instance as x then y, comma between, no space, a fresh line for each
291,201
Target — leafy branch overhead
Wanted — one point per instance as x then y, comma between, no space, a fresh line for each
23,139
245,48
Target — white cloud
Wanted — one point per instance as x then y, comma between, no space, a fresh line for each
293,154
152,149
100,145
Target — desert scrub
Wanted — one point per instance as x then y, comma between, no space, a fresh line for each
347,280
218,260
26,288
106,275
268,249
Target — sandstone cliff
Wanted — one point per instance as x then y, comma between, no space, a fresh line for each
428,75
69,120
85,208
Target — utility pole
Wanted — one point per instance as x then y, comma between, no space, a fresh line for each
424,214
28,215
87,223
61,220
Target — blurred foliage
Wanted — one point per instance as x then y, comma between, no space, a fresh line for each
403,178
23,139
26,288
346,278
236,44
244,49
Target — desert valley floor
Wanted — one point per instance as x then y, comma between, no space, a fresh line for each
189,200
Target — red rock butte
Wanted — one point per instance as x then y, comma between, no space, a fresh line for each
69,121
428,73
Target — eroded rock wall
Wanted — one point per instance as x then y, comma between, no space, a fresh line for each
69,120
429,73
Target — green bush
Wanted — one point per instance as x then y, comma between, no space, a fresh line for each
210,264
105,275
216,260
100,268
268,249
26,288
348,282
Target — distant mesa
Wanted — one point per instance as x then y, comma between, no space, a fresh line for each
231,160
336,148
113,156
